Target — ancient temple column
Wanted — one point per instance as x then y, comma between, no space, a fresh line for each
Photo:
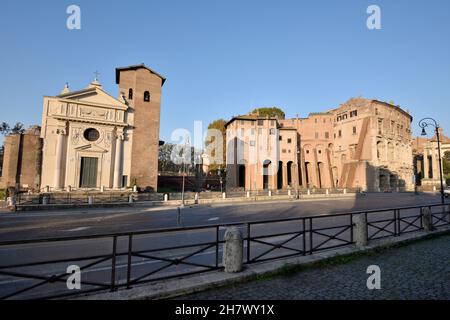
425,164
117,184
59,157
434,164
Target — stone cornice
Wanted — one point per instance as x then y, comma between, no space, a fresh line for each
73,119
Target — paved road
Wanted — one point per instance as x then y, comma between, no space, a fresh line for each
60,224
417,271
32,225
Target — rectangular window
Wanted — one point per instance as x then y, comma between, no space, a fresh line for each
354,130
283,151
260,122
327,135
353,113
340,133
272,132
253,132
280,138
289,141
260,131
317,135
272,123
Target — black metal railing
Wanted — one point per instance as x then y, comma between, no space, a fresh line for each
38,268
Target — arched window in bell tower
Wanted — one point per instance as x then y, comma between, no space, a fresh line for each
130,94
146,96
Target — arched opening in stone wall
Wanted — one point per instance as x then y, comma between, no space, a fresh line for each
266,170
289,173
321,173
280,175
242,176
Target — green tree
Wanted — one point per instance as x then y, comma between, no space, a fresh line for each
218,124
6,129
270,112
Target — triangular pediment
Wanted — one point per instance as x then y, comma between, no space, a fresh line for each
95,96
91,148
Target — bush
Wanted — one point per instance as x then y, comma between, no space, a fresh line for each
2,195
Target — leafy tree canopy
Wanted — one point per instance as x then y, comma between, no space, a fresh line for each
270,112
6,129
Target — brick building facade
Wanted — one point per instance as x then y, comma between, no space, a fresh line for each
361,144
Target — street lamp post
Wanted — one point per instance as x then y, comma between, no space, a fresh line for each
431,122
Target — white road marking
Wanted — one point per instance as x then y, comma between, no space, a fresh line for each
213,219
76,229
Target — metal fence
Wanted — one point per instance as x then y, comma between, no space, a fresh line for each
122,260
74,198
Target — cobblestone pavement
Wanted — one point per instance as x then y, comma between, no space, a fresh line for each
418,271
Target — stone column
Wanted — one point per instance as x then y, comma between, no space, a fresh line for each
427,219
118,162
425,164
434,163
233,250
285,176
59,157
360,221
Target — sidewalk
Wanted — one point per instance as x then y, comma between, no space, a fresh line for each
420,270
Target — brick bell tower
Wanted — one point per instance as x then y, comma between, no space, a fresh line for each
142,88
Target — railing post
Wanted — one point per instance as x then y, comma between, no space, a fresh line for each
360,232
427,219
113,264
130,255
233,250
90,200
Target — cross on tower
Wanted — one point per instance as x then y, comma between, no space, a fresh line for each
96,74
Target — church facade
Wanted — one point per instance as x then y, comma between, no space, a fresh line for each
93,140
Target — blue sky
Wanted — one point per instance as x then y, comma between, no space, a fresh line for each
223,58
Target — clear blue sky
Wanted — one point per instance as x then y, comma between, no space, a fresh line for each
223,58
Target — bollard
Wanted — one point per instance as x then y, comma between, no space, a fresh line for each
233,250
327,192
248,194
360,221
166,197
130,198
224,195
102,189
45,200
135,188
427,219
11,201
196,198
289,192
345,191
90,200
47,189
270,193
309,192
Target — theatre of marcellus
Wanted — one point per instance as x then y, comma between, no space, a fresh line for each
364,144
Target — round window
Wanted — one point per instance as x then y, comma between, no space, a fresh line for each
91,134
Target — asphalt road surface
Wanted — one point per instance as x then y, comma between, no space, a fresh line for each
35,225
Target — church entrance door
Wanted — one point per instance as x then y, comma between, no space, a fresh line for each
88,172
